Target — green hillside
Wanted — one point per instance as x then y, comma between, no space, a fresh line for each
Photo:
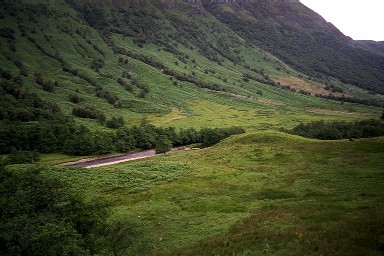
252,194
159,61
86,78
304,40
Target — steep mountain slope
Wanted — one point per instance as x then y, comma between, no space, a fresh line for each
302,39
377,47
173,62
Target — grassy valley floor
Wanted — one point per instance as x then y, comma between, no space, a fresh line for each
264,193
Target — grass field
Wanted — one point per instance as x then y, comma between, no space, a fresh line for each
253,194
260,193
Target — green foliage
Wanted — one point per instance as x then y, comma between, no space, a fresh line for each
22,157
144,136
44,136
72,139
123,239
103,142
46,85
211,137
88,112
340,130
18,104
115,122
79,143
109,96
40,216
257,193
124,140
75,98
163,144
303,40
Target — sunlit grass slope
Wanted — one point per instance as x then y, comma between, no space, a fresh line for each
253,194
43,36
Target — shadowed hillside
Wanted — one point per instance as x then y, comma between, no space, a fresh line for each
302,39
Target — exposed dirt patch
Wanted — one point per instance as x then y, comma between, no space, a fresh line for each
354,159
110,159
300,84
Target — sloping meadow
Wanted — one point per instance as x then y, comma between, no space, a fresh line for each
256,193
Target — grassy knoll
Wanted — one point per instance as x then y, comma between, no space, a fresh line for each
253,194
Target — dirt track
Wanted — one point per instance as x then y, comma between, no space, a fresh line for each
108,160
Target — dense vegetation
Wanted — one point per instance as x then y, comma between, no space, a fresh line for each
304,40
40,216
92,77
72,139
19,104
340,130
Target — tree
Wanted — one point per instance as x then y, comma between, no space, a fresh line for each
80,142
124,140
144,135
382,115
47,140
210,137
103,142
39,216
163,144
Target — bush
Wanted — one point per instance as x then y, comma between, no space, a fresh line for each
75,98
46,85
23,157
115,122
88,112
110,97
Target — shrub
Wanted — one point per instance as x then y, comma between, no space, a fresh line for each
115,122
75,98
88,112
23,157
107,95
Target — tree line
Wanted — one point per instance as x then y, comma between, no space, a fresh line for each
72,139
340,130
